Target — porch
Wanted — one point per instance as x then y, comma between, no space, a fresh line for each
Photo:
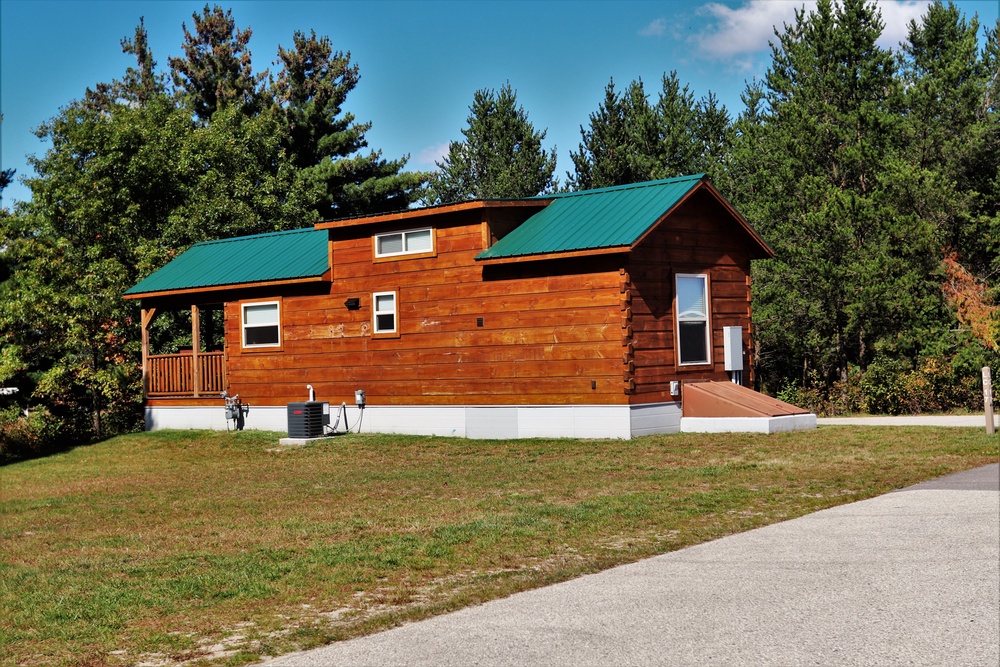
195,370
185,374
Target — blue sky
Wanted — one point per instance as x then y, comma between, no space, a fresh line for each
420,62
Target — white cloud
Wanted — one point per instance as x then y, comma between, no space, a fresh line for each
746,29
656,28
749,28
897,16
432,154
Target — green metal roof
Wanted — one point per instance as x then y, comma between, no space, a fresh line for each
589,220
296,254
594,219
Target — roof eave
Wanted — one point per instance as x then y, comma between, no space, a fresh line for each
324,278
568,254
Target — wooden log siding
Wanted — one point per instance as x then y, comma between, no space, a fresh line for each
628,332
545,339
692,240
173,374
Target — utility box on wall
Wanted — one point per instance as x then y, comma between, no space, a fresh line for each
732,345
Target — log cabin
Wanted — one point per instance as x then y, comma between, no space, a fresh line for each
582,314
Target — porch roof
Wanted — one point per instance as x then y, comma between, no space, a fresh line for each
296,255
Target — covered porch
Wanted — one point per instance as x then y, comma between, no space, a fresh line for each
194,370
201,280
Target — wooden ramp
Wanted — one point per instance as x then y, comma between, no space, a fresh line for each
725,399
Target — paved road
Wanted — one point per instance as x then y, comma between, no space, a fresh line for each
908,578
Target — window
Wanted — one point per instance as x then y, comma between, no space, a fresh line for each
384,312
411,242
261,324
693,333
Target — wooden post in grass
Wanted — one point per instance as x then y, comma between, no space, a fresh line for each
988,400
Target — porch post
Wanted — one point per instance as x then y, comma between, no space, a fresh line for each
146,317
195,350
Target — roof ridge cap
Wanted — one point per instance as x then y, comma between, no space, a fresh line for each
254,236
628,186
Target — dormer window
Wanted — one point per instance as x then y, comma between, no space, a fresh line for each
408,242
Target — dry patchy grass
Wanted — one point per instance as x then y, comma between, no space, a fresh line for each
218,548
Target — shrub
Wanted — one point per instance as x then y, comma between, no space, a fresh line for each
884,387
22,436
847,396
938,383
809,398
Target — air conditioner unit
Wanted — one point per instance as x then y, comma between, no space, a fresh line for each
306,420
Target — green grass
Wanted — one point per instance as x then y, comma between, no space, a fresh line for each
220,548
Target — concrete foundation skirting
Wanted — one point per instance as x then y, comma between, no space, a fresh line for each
266,418
748,424
501,421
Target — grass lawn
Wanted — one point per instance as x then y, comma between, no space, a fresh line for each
219,548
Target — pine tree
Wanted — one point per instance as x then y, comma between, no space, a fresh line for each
630,140
325,143
714,136
142,82
948,172
678,151
140,85
6,178
501,156
619,145
215,71
952,134
853,277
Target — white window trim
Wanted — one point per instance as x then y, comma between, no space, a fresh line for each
376,312
243,323
404,233
707,319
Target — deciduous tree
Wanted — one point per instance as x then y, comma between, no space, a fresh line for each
138,171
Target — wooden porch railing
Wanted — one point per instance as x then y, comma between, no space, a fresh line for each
173,374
